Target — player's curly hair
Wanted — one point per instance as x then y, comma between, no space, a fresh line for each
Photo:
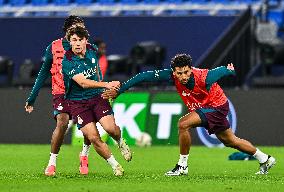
181,60
79,31
70,21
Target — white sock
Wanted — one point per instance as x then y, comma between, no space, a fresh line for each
85,150
113,163
52,159
183,160
260,156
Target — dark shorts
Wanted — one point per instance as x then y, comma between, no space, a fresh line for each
60,105
90,110
214,120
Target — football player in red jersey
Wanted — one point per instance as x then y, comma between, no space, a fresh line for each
207,105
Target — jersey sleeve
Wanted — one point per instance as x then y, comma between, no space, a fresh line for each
149,76
215,74
43,74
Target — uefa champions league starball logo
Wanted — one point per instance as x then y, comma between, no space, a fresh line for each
211,140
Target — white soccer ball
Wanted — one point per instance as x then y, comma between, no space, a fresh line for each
144,140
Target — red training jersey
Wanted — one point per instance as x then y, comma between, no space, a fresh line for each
103,64
199,97
58,52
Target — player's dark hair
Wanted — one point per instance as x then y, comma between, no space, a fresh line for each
79,31
181,60
70,21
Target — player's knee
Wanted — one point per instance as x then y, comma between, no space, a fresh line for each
183,125
114,130
62,121
62,127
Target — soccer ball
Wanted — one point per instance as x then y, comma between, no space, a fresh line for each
144,140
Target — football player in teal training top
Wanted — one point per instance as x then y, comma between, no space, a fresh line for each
52,66
82,77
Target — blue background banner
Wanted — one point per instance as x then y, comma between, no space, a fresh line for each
28,37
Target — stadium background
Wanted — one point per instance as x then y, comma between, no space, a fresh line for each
143,36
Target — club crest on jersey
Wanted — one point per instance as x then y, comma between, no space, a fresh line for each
185,94
79,119
59,107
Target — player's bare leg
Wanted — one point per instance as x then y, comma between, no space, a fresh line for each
229,139
62,121
83,155
91,132
56,142
185,124
108,123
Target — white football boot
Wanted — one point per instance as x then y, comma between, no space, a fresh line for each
264,167
177,171
118,170
125,150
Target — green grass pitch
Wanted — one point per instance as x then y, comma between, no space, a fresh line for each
21,169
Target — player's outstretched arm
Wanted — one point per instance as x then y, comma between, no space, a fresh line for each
43,74
215,74
149,76
88,83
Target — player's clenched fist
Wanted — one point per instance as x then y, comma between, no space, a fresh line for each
230,67
113,85
29,108
110,94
